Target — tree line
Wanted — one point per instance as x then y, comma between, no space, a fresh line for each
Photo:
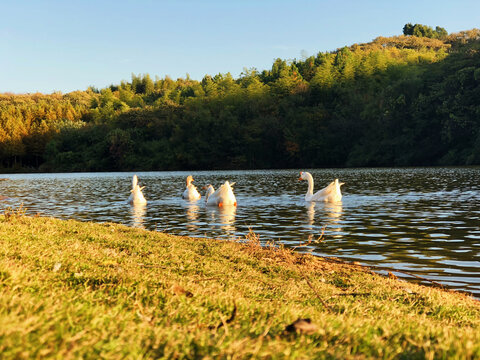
396,101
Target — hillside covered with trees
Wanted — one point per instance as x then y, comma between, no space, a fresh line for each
405,100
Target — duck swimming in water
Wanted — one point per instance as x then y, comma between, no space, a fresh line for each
136,197
223,196
191,192
330,193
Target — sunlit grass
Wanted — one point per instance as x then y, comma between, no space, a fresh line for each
83,290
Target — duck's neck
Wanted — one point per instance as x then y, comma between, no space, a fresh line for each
310,184
210,191
337,186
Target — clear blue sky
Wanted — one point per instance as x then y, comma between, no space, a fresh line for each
62,45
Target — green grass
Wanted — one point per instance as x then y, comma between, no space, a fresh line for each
82,290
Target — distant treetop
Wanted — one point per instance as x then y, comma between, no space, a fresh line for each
420,30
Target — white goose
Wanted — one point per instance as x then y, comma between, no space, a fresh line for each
191,192
330,193
223,196
209,191
136,197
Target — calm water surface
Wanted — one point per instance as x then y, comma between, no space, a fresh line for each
425,221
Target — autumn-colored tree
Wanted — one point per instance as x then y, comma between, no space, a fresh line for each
400,100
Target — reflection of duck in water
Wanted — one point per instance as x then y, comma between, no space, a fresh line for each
192,215
330,193
138,212
310,206
328,213
223,196
227,215
224,217
192,212
334,212
191,193
136,197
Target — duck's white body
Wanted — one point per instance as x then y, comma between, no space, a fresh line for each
223,196
191,193
136,197
209,191
330,193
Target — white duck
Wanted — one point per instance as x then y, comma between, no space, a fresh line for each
209,191
331,193
223,196
191,192
136,197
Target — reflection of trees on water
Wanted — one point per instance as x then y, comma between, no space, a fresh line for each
224,218
138,212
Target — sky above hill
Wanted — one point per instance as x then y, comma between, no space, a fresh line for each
59,45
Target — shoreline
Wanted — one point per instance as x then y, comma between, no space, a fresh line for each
72,289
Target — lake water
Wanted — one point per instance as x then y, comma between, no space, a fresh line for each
424,221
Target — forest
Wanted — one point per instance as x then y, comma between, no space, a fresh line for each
406,100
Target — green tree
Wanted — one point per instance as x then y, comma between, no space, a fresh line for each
425,31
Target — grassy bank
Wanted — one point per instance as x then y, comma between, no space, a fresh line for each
84,290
